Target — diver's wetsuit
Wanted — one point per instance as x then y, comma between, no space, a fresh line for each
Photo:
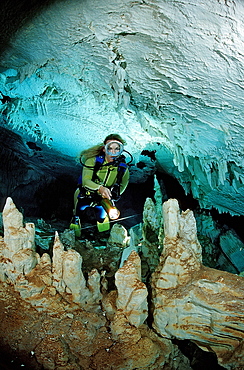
87,195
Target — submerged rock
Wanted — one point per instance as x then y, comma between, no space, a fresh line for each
192,301
189,302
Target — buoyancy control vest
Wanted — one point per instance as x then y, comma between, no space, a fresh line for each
99,160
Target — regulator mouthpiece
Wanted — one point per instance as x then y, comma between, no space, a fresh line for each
114,148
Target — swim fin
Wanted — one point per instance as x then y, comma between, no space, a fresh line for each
76,226
103,226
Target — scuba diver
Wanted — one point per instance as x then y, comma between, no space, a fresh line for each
104,178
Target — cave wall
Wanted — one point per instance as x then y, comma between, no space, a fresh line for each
166,75
41,181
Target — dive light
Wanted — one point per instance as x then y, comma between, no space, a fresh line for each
110,208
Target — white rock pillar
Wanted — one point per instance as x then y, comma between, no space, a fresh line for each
182,252
132,293
68,277
18,247
94,286
16,236
73,277
193,301
57,264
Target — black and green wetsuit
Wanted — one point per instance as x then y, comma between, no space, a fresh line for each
106,175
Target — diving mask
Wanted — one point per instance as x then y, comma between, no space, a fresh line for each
114,148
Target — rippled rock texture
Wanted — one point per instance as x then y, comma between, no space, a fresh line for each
167,75
192,301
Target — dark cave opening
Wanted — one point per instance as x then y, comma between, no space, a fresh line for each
15,14
173,189
186,201
199,359
233,222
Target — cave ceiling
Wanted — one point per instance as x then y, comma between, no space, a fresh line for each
165,74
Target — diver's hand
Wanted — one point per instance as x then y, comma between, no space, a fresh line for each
105,192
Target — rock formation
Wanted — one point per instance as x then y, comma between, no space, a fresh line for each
57,286
17,248
192,301
166,75
21,265
98,326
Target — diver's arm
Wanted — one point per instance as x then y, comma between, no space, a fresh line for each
87,174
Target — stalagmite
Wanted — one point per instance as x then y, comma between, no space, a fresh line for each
17,246
57,265
134,338
34,276
73,277
132,293
118,236
150,241
193,301
189,301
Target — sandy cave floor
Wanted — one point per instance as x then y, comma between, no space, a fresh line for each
37,340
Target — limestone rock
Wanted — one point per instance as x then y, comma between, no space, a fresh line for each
40,179
150,243
182,252
150,216
38,280
109,304
118,236
93,284
192,301
68,238
16,236
81,334
132,293
24,261
57,266
18,254
233,248
143,349
126,253
135,239
68,276
135,233
72,273
59,358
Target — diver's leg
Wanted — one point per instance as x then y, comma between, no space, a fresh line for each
81,203
100,213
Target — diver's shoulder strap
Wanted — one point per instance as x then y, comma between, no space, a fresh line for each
98,163
99,160
121,170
